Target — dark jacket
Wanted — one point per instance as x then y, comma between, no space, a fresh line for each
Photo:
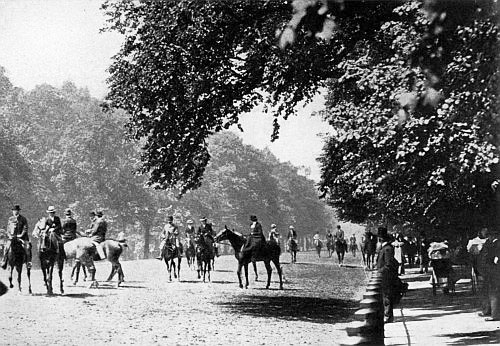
207,230
18,226
69,229
388,266
98,230
55,224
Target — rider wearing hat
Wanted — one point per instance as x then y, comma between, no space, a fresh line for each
273,234
53,224
387,265
169,236
206,228
69,231
292,234
17,227
97,231
255,240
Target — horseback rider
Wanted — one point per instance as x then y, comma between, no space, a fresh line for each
53,224
97,231
329,236
17,227
190,229
169,236
273,234
316,237
255,240
69,231
206,229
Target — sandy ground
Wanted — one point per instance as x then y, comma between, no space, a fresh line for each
318,300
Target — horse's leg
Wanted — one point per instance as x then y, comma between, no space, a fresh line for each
84,273
255,270
113,272
276,262
246,275
179,260
174,267
239,273
50,271
209,269
19,269
60,267
269,273
28,272
75,273
10,276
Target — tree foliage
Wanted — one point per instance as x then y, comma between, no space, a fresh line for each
438,166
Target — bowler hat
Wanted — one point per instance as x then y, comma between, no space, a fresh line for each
382,233
16,207
98,213
170,218
253,218
67,211
189,222
51,209
203,219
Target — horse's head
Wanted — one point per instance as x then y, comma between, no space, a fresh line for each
222,235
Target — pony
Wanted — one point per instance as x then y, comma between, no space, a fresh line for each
49,253
15,259
204,255
368,250
330,246
169,253
270,252
340,249
190,252
83,249
318,244
292,248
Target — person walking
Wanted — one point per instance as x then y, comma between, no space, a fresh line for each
490,259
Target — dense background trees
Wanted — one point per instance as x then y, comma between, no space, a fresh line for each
59,148
412,95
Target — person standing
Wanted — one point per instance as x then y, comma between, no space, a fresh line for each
423,255
386,266
17,226
490,258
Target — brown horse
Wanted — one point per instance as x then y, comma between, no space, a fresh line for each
270,253
15,259
169,254
205,255
49,254
84,250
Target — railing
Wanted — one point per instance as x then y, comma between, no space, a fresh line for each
368,329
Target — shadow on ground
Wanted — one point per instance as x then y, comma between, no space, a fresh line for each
474,338
315,310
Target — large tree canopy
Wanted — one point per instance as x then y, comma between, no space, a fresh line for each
190,68
438,166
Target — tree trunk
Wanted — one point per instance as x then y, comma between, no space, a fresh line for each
146,242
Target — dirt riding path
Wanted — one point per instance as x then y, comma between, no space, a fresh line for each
318,299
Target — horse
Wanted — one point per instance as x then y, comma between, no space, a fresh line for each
83,249
270,253
318,244
368,250
49,253
15,259
340,249
169,253
190,252
330,246
292,248
353,247
204,255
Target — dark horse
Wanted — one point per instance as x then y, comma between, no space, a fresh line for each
190,252
340,249
205,255
49,254
368,250
330,246
270,253
170,252
15,259
292,248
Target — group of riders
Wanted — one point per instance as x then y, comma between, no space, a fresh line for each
172,238
64,230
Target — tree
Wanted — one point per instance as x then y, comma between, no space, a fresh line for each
437,167
189,68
